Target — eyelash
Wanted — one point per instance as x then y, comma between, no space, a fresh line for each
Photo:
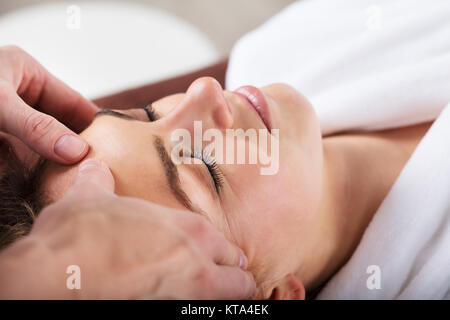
207,159
151,114
215,172
213,168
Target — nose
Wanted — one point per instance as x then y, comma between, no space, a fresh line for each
204,101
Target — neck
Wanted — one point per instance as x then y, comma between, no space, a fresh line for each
359,170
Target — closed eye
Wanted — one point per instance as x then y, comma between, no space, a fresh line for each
215,173
151,114
213,169
117,114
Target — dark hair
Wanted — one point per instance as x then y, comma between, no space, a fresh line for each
21,199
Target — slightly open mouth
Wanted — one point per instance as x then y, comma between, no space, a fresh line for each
258,101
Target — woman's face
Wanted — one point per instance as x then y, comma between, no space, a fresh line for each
271,217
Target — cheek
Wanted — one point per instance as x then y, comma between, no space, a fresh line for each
272,215
262,221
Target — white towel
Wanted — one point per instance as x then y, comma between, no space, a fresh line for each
370,65
409,237
364,64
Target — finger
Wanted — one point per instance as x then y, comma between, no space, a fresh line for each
67,105
93,179
228,254
41,132
216,245
50,95
225,282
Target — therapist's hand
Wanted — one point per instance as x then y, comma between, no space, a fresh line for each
124,247
34,105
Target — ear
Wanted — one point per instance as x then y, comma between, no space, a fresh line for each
289,288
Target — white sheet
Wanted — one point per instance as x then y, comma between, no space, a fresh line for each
369,65
102,47
409,236
355,75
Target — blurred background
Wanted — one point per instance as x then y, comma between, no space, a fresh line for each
99,47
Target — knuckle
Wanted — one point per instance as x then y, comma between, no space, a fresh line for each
84,217
54,214
37,126
207,236
202,228
12,53
12,48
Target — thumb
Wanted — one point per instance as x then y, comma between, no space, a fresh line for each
93,179
39,131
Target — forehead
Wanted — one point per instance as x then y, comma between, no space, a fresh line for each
127,148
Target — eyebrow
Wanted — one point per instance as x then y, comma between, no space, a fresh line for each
109,112
173,178
170,169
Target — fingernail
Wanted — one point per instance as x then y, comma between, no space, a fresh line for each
70,147
243,262
89,163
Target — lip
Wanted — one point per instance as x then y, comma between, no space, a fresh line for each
258,101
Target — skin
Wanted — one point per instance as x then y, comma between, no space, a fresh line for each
36,112
111,240
32,104
296,227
